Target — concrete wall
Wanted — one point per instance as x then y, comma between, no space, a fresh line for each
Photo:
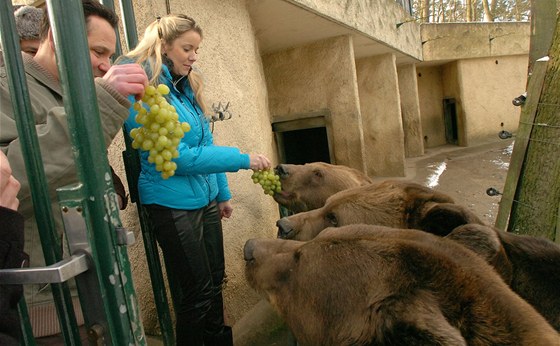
488,87
381,115
454,41
317,77
430,95
482,88
410,111
377,19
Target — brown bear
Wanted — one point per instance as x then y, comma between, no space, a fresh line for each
392,203
531,266
372,285
307,187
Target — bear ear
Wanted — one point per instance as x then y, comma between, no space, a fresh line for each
484,241
442,218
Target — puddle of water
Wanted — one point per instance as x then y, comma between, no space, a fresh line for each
433,179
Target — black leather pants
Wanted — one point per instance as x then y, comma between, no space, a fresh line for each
193,252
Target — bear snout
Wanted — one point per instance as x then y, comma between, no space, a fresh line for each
248,250
285,229
281,171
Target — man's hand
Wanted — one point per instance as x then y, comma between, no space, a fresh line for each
127,79
9,186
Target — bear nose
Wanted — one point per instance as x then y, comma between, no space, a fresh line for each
281,171
248,249
285,229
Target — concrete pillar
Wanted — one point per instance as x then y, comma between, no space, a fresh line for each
410,111
316,77
381,115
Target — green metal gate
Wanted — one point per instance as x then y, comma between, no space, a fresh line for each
96,239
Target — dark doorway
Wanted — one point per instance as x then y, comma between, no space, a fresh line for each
303,139
450,119
307,145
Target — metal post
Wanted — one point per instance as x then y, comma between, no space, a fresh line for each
110,257
132,165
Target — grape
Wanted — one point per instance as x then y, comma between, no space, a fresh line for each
269,181
161,131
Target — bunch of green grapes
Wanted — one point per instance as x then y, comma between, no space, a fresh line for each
269,181
161,131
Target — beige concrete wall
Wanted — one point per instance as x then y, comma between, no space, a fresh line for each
488,87
430,95
317,77
483,90
233,72
454,41
410,111
377,19
381,115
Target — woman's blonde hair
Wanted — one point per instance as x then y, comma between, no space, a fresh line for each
163,31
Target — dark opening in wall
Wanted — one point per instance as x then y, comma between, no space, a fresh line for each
308,145
450,119
302,140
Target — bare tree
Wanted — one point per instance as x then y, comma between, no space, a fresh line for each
469,5
439,11
488,16
426,11
455,14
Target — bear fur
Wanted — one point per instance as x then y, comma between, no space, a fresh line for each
372,285
307,187
529,265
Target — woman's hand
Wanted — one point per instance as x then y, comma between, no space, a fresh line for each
225,209
258,162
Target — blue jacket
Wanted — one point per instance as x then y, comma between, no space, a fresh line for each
199,178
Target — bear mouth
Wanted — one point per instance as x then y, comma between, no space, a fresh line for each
283,197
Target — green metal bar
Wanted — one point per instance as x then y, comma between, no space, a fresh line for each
25,122
129,23
132,165
118,48
111,259
26,331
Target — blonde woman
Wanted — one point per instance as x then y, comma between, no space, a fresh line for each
186,208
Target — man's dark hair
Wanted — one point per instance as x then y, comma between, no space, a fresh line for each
91,8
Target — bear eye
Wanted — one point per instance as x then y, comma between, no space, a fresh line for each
331,218
318,174
297,255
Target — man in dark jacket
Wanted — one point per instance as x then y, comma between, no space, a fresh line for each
11,253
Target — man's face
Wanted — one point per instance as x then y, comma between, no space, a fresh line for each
102,41
29,46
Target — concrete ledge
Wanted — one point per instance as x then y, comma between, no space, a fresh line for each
453,41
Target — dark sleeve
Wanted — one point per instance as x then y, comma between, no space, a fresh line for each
11,239
119,188
11,256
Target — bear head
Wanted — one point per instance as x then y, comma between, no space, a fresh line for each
390,203
307,187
